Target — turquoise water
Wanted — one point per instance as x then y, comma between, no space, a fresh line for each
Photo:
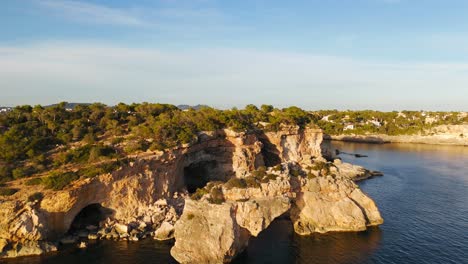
423,198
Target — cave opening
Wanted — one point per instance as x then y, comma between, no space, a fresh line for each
90,215
198,174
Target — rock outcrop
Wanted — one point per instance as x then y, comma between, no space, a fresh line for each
327,204
315,204
149,197
208,233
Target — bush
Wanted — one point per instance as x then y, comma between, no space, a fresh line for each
34,181
278,168
295,173
58,181
198,194
235,183
190,216
35,197
7,191
258,174
217,196
322,167
269,177
140,145
310,175
252,182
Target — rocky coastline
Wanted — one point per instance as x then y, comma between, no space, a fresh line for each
221,190
456,135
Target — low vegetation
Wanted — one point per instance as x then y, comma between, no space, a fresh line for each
90,139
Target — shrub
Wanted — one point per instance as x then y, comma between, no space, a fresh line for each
98,151
35,197
269,177
58,181
310,175
198,194
278,168
190,216
34,181
217,196
140,145
322,167
259,174
7,191
90,172
235,183
19,173
117,140
252,182
295,173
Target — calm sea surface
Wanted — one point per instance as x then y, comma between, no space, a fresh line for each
423,198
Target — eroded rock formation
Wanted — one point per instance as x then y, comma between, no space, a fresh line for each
150,198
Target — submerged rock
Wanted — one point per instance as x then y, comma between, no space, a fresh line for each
29,248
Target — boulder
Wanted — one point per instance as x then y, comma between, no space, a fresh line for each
164,232
121,229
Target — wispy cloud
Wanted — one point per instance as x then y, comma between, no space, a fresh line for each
224,77
87,12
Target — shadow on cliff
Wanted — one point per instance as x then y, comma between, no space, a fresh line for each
270,152
211,159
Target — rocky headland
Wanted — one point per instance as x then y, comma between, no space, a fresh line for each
222,189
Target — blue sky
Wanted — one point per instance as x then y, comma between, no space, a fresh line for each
334,54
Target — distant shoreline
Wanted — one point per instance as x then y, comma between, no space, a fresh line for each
413,139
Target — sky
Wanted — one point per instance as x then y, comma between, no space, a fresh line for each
316,54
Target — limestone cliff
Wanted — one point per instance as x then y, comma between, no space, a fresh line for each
147,197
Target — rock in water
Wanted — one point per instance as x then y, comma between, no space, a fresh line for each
164,232
208,233
82,245
333,204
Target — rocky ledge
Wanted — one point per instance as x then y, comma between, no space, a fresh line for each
221,190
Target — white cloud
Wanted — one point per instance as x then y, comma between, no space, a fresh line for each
223,77
91,13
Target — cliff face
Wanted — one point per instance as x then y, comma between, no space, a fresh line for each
148,196
315,204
